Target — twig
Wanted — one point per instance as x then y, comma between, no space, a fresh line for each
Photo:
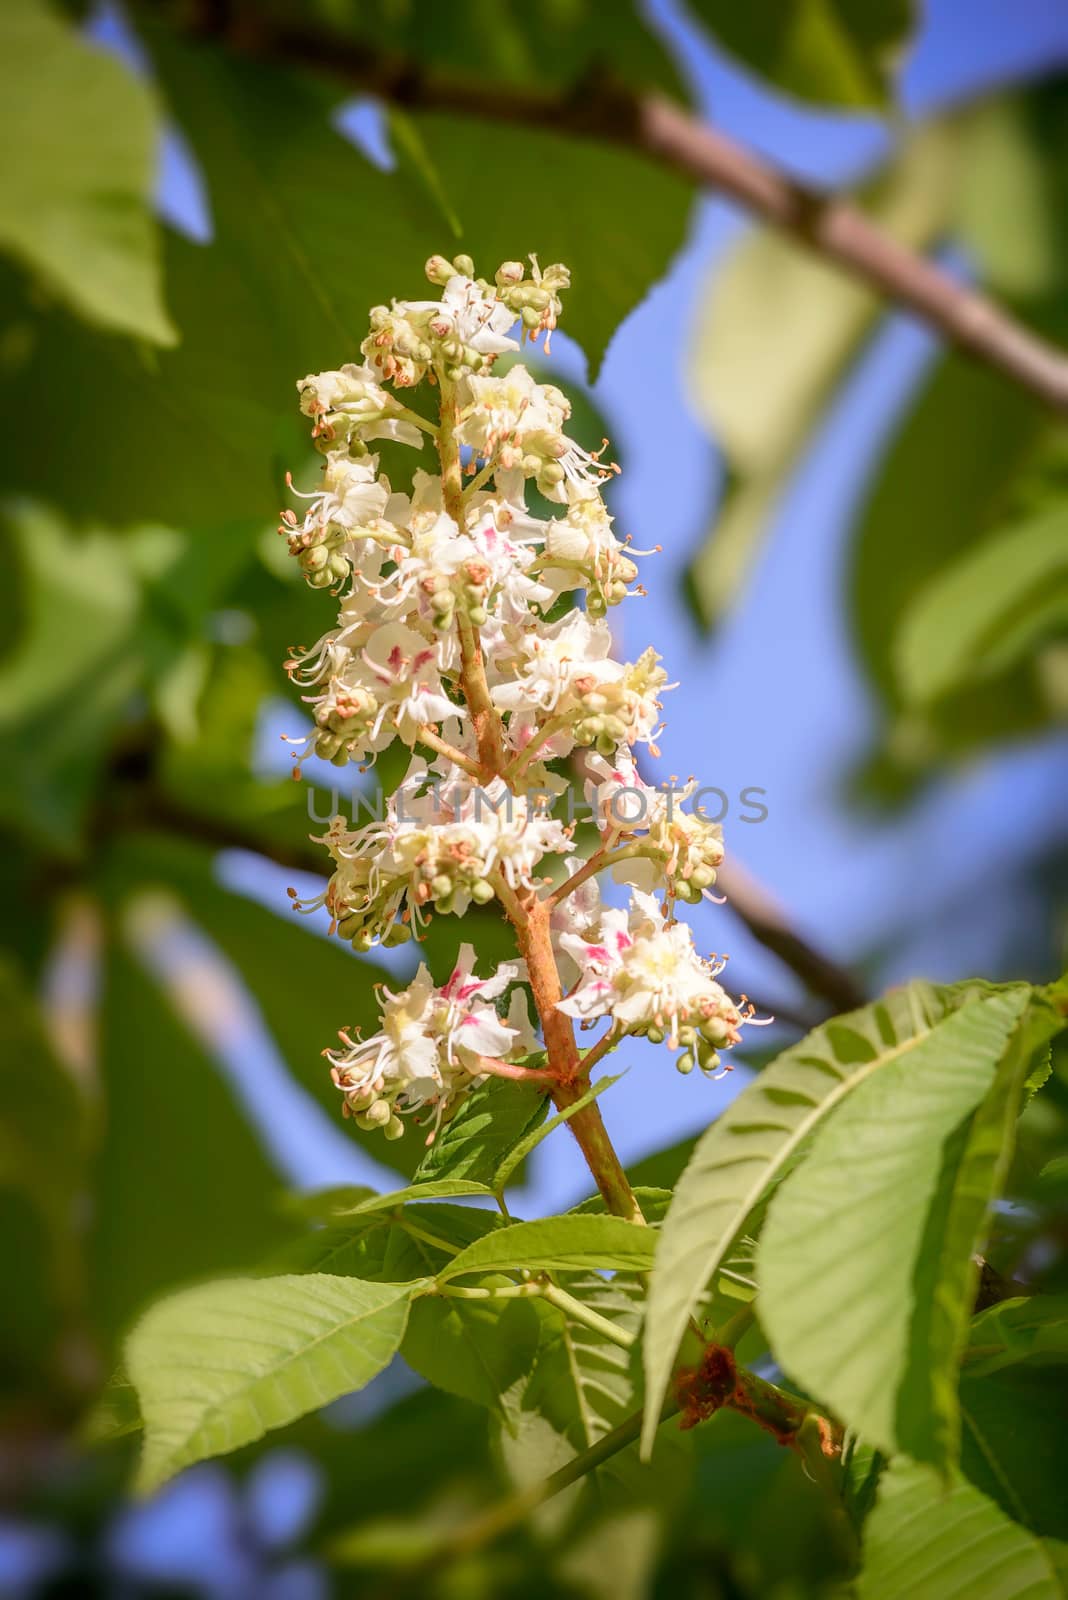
599,108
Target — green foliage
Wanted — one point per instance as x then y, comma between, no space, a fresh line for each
836,52
989,611
779,329
827,1225
880,1223
216,1366
912,1037
928,1543
488,1126
74,204
182,1184
559,1244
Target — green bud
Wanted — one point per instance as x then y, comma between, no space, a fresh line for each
655,1035
477,616
606,745
441,885
379,1113
363,940
316,556
464,265
481,892
399,933
701,877
349,925
685,1063
531,318
394,1129
438,270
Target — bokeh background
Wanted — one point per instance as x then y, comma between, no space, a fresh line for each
819,473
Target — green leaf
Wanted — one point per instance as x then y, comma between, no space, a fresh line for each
559,1244
489,1124
43,1145
589,226
289,971
956,460
74,206
182,1185
42,1108
115,1415
510,43
218,1366
880,1222
1034,1327
835,52
755,1142
1013,1443
988,611
519,1153
335,1205
98,662
476,1349
653,1202
926,1543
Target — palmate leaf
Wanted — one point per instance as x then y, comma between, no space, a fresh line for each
218,1366
864,1265
756,1141
564,1244
74,206
923,1542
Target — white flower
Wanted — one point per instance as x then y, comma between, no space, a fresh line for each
685,849
434,1044
352,404
475,316
644,973
512,414
440,844
558,664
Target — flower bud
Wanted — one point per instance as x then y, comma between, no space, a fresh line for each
464,266
481,892
438,270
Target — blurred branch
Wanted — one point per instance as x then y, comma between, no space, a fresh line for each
767,922
599,108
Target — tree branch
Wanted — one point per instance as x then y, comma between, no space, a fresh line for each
599,108
752,904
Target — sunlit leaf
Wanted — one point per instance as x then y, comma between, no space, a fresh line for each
923,1542
568,1243
493,1119
881,1221
988,611
218,1366
757,1140
74,205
